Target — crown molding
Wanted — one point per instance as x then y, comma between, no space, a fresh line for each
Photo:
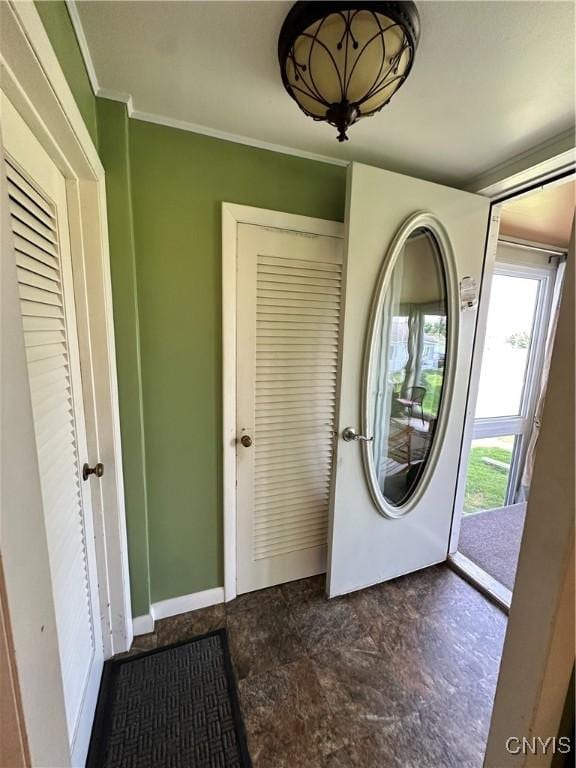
169,122
184,125
124,98
83,44
550,156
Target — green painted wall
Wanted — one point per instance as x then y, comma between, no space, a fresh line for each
114,153
179,181
56,20
164,189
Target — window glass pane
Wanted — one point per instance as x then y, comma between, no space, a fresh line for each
409,348
488,473
506,350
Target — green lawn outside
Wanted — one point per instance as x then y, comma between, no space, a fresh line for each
431,378
485,484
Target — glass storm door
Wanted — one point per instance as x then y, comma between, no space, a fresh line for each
406,354
518,318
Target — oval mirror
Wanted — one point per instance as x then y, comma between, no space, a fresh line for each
408,364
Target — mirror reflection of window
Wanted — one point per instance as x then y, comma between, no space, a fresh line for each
408,371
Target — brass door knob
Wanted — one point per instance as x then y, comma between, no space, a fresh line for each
246,441
97,470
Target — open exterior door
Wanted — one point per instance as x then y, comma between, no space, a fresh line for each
407,349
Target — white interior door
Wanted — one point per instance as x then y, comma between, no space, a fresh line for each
406,357
289,292
37,194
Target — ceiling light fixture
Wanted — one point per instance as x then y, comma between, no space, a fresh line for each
341,61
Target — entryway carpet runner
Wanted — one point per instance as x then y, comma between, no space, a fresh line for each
174,707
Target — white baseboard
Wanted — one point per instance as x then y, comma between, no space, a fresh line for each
142,625
175,605
185,603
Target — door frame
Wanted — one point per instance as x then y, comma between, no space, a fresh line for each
232,216
32,79
556,170
519,424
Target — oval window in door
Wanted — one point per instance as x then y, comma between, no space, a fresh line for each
409,361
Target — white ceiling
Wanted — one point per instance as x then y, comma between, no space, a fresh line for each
491,79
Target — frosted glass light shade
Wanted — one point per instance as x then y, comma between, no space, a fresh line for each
344,61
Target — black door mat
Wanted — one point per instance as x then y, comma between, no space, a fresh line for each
173,707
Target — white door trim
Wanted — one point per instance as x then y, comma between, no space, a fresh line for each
232,216
540,176
522,173
33,80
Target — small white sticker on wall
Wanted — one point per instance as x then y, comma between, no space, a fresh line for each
468,293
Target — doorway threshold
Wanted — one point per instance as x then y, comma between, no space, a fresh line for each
482,581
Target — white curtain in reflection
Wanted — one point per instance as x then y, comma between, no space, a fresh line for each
383,384
415,347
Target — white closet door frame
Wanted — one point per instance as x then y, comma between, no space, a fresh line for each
34,82
232,216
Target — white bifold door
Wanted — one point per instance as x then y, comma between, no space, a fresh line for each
38,208
407,347
288,332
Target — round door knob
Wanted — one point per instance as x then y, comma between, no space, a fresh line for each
246,441
97,470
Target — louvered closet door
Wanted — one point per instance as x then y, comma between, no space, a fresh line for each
37,198
289,293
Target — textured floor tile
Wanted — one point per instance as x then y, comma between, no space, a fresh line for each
325,624
384,610
401,675
288,721
418,739
295,592
145,642
475,624
368,752
185,626
435,590
419,743
264,598
429,670
262,638
369,694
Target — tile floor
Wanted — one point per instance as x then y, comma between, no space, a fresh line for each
401,675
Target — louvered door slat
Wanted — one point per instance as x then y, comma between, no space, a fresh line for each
302,501
275,265
28,248
33,279
49,382
34,237
44,337
24,201
308,311
291,455
268,297
32,221
286,510
290,545
290,292
33,309
19,182
38,367
42,306
44,351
